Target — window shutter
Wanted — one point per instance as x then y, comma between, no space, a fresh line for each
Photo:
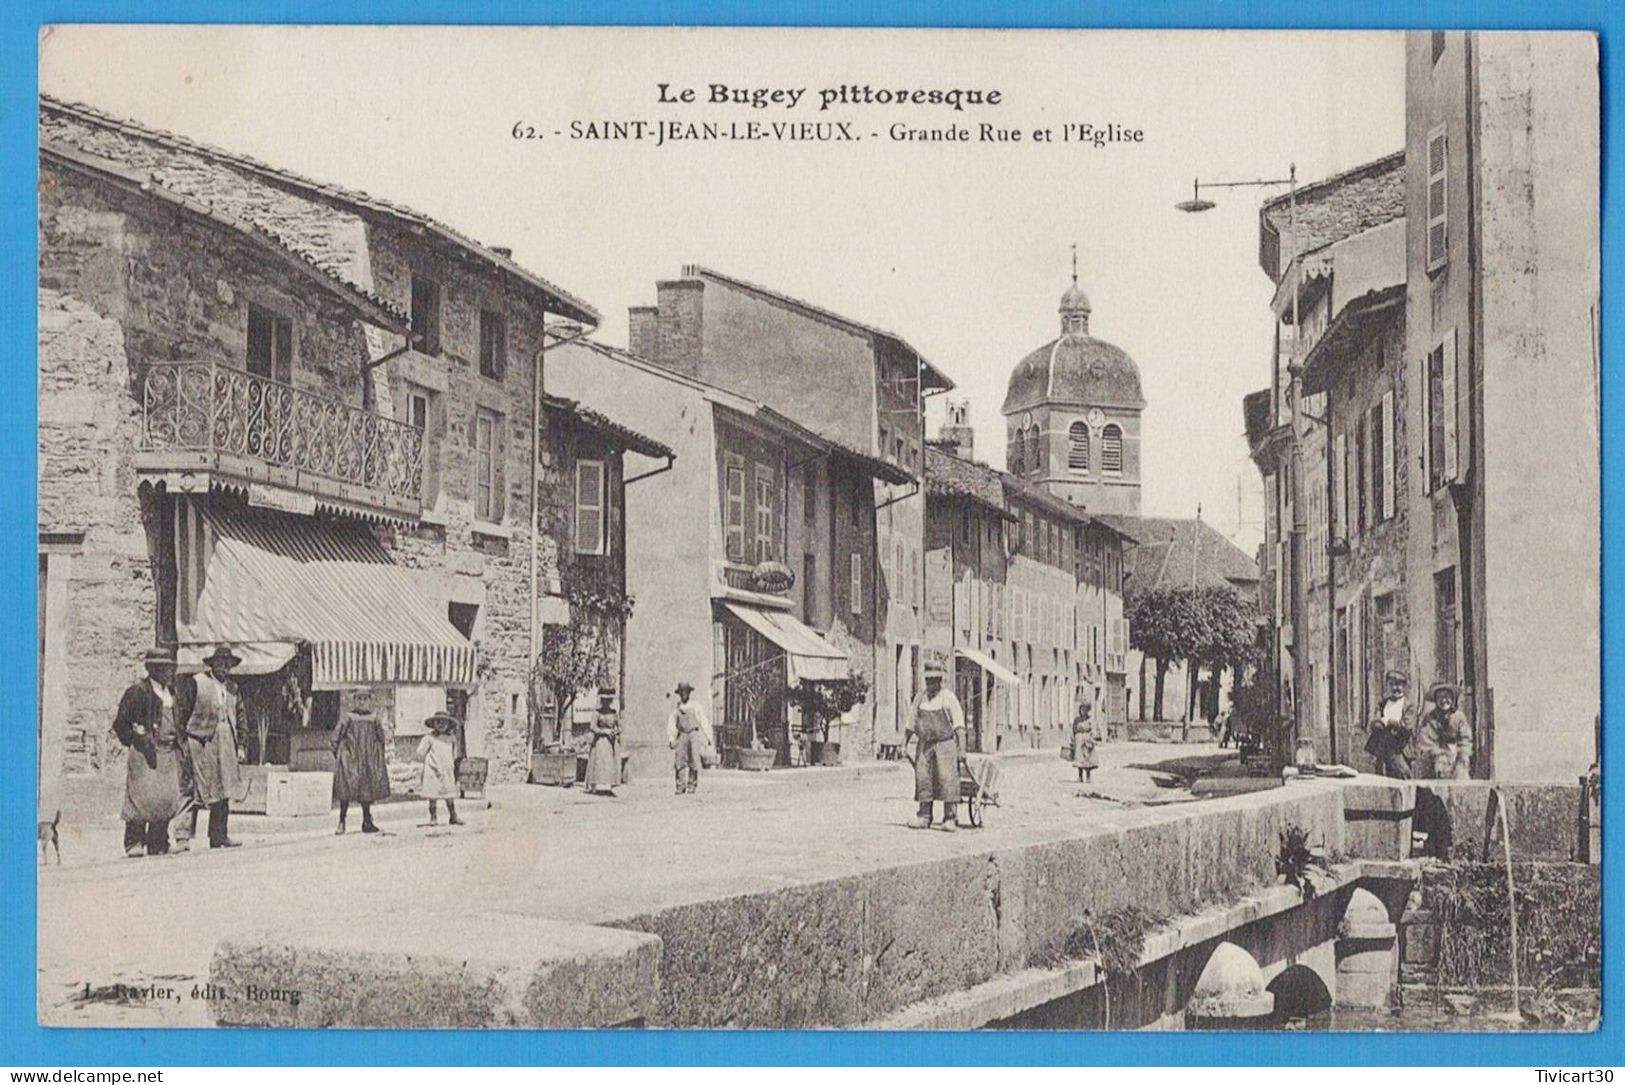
857,583
734,514
1077,457
1448,407
1111,450
1388,455
1340,486
590,507
1438,199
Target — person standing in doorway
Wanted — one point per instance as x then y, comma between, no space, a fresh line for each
438,752
937,722
361,773
145,724
688,732
603,760
211,744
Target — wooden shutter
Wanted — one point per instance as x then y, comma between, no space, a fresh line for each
590,533
1438,163
1448,407
1388,454
857,583
1340,486
734,511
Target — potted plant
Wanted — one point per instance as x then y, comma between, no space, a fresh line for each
753,686
822,705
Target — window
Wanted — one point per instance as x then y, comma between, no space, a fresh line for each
1438,237
1442,413
965,524
592,535
1444,624
493,344
857,584
1077,448
809,578
809,498
425,314
1340,486
859,500
1035,449
1017,457
1111,450
733,513
487,467
766,515
417,410
270,345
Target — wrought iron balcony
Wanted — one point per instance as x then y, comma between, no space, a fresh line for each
210,418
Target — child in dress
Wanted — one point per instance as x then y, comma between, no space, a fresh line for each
438,752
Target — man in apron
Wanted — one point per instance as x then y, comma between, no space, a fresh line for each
937,721
211,742
145,725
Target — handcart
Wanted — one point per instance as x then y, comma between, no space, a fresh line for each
978,787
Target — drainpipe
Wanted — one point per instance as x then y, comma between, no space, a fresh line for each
536,384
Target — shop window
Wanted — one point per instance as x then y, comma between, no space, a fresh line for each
270,344
591,535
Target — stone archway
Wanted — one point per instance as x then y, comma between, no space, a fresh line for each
1299,992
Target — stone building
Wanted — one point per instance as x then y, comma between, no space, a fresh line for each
1500,383
787,354
755,552
1344,222
249,378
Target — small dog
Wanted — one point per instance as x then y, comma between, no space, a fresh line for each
48,838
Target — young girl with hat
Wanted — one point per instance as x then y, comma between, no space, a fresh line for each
438,752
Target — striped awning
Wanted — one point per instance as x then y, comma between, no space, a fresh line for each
812,658
258,578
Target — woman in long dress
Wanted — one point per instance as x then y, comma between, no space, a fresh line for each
438,752
604,759
1083,740
361,774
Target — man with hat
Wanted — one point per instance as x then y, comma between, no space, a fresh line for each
145,724
1444,740
688,733
211,743
1390,731
938,721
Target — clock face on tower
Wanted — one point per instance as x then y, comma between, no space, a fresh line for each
1097,418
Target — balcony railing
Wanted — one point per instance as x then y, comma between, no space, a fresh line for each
223,417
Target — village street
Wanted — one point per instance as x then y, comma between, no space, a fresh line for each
548,852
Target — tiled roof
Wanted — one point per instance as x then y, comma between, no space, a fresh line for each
1330,210
371,305
1173,552
947,475
935,377
623,435
558,300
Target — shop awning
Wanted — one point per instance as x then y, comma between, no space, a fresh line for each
264,580
812,658
989,664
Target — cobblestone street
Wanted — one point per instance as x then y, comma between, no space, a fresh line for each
547,852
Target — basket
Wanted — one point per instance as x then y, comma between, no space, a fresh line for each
471,776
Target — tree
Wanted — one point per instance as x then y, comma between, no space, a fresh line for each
1208,625
579,655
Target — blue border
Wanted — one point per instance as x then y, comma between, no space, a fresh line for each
23,1044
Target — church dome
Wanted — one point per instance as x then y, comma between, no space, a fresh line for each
1075,370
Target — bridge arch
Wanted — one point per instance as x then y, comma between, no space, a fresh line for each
1299,992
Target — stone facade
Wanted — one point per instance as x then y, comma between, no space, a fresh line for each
115,299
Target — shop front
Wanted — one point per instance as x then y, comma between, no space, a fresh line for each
325,623
977,688
772,665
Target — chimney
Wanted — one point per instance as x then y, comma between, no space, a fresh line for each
643,332
503,251
679,324
956,432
